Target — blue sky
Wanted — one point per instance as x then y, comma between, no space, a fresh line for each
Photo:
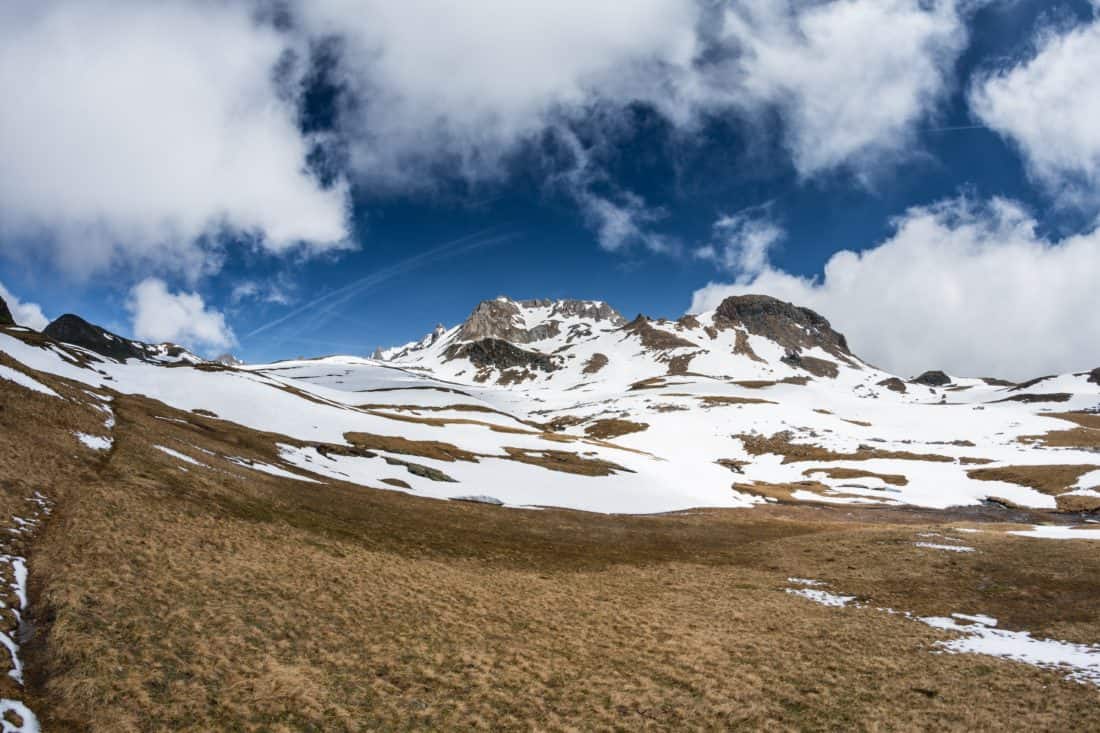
400,188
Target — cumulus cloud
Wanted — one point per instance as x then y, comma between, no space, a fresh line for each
1048,105
459,84
132,132
849,78
968,287
25,314
182,318
742,242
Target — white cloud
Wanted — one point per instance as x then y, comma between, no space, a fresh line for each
275,291
459,85
742,242
182,318
625,223
851,78
131,130
970,288
1048,105
25,314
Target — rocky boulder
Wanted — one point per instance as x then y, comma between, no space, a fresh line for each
933,378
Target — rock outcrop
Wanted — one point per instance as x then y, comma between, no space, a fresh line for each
504,319
1094,376
72,329
5,314
790,326
934,378
500,354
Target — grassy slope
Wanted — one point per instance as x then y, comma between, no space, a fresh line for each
223,598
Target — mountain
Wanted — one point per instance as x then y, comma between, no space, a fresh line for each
567,342
5,314
536,402
72,329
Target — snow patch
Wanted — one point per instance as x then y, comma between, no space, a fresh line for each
95,442
949,548
824,597
179,456
1052,532
1081,662
24,381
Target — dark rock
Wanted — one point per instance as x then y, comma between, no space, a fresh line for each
788,325
5,314
1094,376
932,379
72,329
893,383
1031,398
494,352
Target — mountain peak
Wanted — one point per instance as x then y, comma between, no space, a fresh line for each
526,321
789,325
72,329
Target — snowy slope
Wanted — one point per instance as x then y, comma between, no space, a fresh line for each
565,403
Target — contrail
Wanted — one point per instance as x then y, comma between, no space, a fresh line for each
953,128
329,301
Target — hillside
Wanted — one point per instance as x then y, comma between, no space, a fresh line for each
197,545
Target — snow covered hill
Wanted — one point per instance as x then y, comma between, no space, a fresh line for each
566,403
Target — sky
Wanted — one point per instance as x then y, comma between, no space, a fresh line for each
282,178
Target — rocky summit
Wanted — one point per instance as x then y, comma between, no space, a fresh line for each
5,314
72,329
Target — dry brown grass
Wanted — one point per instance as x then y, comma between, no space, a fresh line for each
436,449
1048,479
613,428
781,444
565,462
854,473
725,400
595,363
1087,438
225,599
1084,419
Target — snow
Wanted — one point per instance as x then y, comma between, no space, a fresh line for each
805,581
949,548
30,722
273,470
24,381
823,597
1081,662
1053,532
179,456
95,442
421,395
